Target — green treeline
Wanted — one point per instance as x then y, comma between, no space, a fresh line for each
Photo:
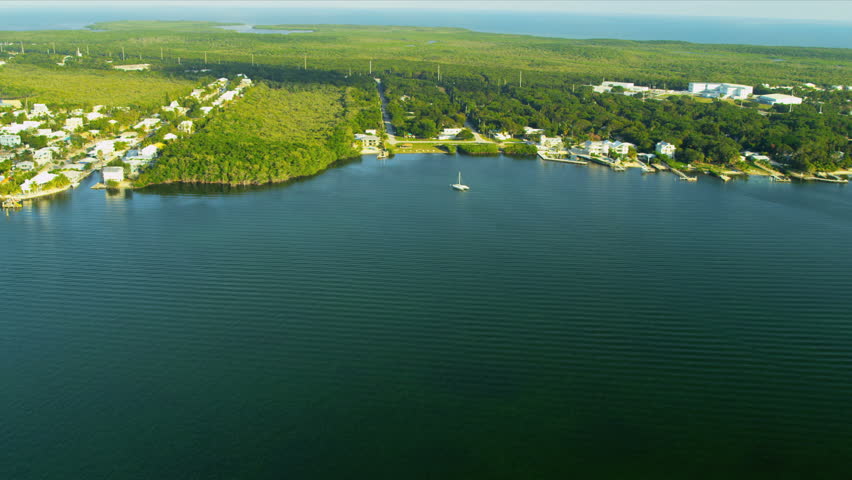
520,149
714,132
479,149
273,134
479,85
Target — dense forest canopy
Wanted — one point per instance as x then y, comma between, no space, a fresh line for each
460,53
319,90
275,133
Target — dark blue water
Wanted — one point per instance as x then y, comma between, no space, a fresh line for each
534,22
555,322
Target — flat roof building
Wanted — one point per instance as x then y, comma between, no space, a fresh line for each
113,173
779,98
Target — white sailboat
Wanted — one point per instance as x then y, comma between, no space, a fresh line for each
460,186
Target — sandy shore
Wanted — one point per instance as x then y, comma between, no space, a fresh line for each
41,193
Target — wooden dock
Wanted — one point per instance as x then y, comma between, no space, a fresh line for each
574,160
683,176
819,177
645,168
775,175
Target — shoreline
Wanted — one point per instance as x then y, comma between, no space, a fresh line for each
30,196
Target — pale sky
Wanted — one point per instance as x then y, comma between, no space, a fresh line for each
833,10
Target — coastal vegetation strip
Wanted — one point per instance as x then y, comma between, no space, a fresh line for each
273,134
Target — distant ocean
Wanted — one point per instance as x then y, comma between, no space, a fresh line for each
627,27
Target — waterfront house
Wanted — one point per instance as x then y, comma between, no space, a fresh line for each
529,131
550,142
113,173
620,148
10,140
596,148
666,148
38,180
368,141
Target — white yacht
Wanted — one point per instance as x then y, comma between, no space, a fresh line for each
460,186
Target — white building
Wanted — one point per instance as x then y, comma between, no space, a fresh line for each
720,90
666,148
533,131
39,110
147,124
25,166
501,136
43,155
225,97
170,136
175,107
620,148
628,87
104,147
73,123
206,110
113,173
148,152
779,98
449,133
16,128
185,126
94,116
10,140
38,180
133,68
550,142
596,148
367,141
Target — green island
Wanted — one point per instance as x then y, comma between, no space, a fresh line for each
319,96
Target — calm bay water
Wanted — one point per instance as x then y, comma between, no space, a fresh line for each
555,322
